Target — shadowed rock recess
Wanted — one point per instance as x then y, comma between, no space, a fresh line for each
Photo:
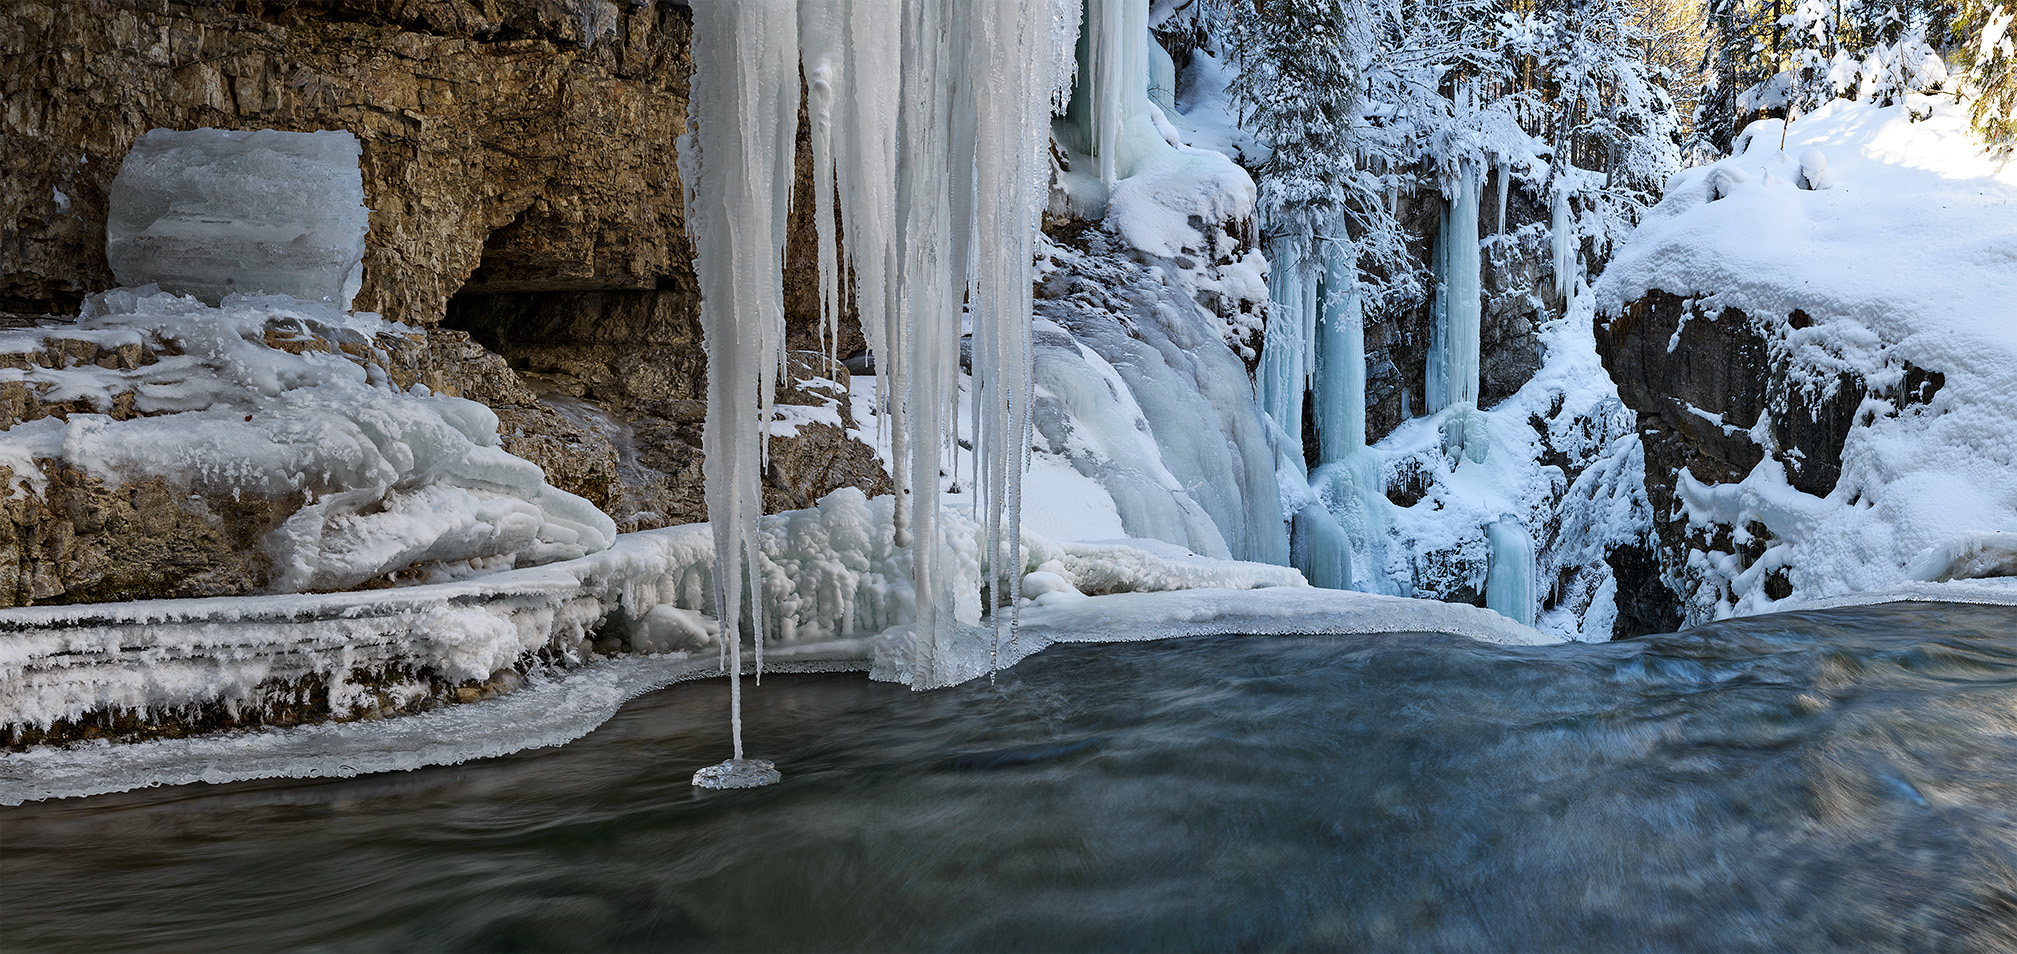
519,162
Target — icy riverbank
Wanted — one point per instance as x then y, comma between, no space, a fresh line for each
557,707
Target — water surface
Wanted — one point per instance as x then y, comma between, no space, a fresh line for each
1819,781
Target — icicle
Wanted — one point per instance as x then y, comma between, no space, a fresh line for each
1453,357
736,164
1562,236
820,60
1012,171
1341,359
1505,173
1509,580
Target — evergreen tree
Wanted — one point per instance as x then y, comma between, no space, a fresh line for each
1990,54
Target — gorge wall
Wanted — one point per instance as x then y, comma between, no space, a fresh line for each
519,161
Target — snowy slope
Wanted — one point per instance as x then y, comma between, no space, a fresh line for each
1907,252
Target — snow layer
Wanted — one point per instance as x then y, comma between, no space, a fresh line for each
1907,254
214,212
259,400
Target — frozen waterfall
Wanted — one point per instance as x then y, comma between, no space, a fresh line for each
1509,578
1453,351
928,124
1341,360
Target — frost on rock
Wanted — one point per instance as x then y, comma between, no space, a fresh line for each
214,212
292,404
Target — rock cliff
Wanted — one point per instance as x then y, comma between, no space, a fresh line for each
519,160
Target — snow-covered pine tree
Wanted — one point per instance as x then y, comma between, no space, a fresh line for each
1990,53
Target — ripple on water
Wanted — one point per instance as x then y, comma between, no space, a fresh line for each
1840,779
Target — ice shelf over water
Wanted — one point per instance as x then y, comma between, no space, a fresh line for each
214,212
827,573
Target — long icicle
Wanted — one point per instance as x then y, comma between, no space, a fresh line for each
736,164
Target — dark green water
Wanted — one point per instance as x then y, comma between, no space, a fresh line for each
1832,780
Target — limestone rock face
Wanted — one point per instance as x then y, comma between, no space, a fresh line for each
82,540
499,123
519,162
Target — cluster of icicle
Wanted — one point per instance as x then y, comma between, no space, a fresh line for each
929,124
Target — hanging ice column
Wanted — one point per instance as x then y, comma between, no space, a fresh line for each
1509,578
1347,484
1286,358
736,164
1341,359
929,124
1562,239
1453,350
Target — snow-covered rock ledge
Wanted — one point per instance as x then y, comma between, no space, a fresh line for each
174,667
556,707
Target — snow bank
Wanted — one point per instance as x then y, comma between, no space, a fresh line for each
1896,232
277,399
214,212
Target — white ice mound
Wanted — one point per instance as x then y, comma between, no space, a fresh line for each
212,212
260,400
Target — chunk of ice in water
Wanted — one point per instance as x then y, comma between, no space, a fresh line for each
213,212
738,773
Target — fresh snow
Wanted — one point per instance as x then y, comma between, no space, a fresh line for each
1907,254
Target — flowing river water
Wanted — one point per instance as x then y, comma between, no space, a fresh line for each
1841,779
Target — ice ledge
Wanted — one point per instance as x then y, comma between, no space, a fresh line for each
559,708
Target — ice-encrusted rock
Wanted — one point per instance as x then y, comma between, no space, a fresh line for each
213,212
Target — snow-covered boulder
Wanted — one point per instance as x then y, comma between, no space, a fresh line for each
1818,340
214,212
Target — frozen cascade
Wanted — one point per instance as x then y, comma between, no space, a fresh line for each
1509,578
1453,353
1182,451
1347,486
1286,356
1341,361
1109,112
928,124
1562,240
1321,550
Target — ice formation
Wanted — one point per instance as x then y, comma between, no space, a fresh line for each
1453,351
931,118
1907,258
829,573
1509,581
1136,390
277,399
214,212
555,709
1341,362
